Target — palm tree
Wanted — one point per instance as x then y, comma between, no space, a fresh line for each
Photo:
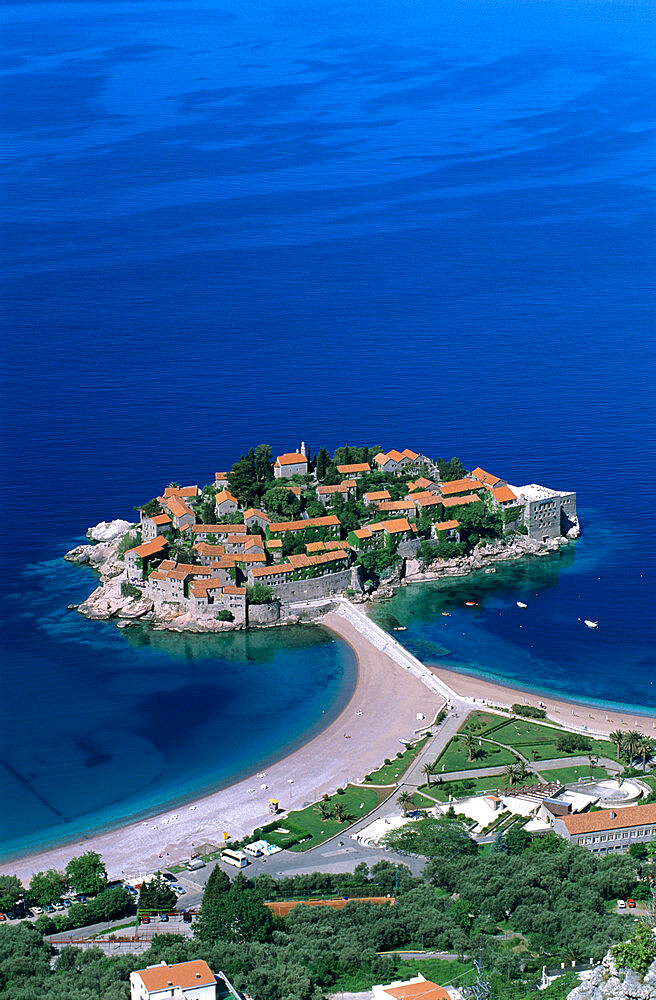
470,743
592,761
631,744
512,774
646,747
324,810
617,737
427,769
339,813
521,769
405,801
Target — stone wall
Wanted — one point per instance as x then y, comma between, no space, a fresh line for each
410,548
320,586
264,614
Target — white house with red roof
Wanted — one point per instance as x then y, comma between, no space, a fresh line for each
183,981
293,463
154,525
225,503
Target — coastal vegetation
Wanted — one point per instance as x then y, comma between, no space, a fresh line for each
528,903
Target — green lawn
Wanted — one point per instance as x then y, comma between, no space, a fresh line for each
534,740
356,801
455,756
463,787
389,774
567,775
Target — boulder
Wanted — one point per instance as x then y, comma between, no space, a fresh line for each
107,531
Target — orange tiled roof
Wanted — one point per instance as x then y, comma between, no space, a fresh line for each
394,526
291,458
273,543
412,455
200,588
149,548
175,505
378,495
161,519
253,512
301,559
428,500
485,477
624,816
223,496
345,470
311,522
454,501
459,486
273,570
391,505
362,533
339,488
205,549
181,491
235,590
418,991
502,494
446,525
184,974
219,529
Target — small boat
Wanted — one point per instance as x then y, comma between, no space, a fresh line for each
590,624
520,604
446,614
400,628
471,604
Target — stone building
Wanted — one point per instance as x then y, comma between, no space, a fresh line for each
155,525
547,513
290,464
139,559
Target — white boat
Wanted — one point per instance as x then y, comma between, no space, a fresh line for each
520,604
590,624
401,628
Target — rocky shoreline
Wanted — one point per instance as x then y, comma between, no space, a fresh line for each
107,602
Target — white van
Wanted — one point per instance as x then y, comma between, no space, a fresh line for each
236,858
196,864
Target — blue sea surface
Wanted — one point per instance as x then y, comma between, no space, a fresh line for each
426,226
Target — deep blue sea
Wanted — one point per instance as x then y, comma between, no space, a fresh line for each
426,225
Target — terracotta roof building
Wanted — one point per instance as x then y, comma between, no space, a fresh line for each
609,830
417,988
290,464
185,980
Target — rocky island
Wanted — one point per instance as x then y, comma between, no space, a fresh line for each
273,540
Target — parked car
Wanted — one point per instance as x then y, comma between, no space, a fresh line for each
169,877
621,905
131,889
178,890
145,919
49,908
36,910
186,916
2,916
164,917
631,903
80,897
66,901
59,906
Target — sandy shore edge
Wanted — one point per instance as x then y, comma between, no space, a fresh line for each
382,709
568,713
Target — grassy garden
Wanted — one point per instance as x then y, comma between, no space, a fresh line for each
390,772
458,756
306,828
532,739
567,775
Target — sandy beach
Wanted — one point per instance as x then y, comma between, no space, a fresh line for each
388,698
568,713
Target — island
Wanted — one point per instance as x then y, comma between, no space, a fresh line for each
273,540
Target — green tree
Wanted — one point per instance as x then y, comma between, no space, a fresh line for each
217,884
87,873
46,888
433,838
259,593
645,747
281,503
238,915
157,894
150,509
405,801
427,770
470,744
263,457
242,480
631,745
11,890
340,813
322,464
638,952
517,840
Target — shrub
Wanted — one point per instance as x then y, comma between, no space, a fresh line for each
529,711
129,590
259,593
225,616
129,541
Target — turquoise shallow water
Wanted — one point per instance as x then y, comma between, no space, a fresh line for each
425,225
133,721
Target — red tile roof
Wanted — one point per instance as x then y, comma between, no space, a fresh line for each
253,512
502,494
418,991
345,470
184,974
149,548
388,506
223,496
485,477
273,570
459,486
455,501
176,505
291,458
241,591
378,495
624,816
181,491
161,519
311,522
446,525
339,488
